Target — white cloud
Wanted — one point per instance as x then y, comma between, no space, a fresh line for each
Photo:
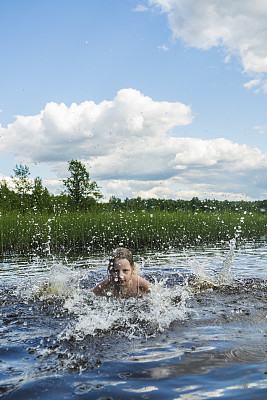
89,130
128,147
220,153
261,129
237,26
163,48
264,84
252,83
175,188
140,8
227,59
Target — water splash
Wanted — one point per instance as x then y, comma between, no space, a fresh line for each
88,315
225,276
61,292
131,318
61,281
206,280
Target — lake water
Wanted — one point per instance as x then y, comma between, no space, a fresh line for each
200,334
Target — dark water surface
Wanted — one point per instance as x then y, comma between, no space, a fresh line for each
200,334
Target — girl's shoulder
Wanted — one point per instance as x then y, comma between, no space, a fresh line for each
102,287
142,283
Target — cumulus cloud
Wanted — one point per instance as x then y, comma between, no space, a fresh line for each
128,147
185,187
237,26
90,130
105,134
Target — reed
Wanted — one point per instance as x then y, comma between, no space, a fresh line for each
78,231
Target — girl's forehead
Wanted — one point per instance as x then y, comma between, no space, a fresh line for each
121,262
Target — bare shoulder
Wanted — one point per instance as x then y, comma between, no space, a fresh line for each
101,288
144,284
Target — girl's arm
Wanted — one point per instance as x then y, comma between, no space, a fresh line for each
101,288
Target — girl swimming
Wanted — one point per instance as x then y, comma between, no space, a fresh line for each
122,280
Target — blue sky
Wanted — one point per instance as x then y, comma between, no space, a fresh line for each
158,98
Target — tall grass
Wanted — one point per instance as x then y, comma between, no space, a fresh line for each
79,231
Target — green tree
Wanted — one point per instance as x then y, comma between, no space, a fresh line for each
79,187
115,203
8,198
21,179
23,185
40,195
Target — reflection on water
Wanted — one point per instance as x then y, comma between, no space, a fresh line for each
200,334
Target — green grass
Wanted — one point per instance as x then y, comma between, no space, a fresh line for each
78,231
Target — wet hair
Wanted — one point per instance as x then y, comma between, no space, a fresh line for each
121,253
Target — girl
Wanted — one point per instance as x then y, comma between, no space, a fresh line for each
122,280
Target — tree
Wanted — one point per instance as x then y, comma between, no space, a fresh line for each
8,198
23,185
40,195
21,179
115,203
78,185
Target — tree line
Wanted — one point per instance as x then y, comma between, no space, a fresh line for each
81,193
193,205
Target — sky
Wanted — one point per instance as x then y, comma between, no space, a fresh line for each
157,98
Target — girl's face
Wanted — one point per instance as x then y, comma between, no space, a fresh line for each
121,273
